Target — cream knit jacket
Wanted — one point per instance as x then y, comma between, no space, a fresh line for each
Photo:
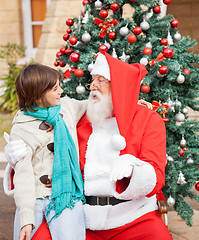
35,169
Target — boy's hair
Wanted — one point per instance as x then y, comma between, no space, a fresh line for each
33,82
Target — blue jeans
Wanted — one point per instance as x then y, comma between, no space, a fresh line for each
70,225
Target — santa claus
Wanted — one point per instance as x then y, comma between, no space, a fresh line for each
122,147
122,156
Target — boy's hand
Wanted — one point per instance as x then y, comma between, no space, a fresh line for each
25,232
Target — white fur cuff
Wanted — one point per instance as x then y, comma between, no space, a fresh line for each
7,181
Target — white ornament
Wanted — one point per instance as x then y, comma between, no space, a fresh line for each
86,18
114,54
144,61
118,142
181,179
170,158
148,15
183,142
180,78
107,44
159,75
124,31
98,4
178,103
90,67
185,111
171,105
180,117
124,57
144,25
177,36
190,160
169,38
149,45
170,201
80,89
86,37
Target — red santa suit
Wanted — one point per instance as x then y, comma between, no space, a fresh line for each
131,203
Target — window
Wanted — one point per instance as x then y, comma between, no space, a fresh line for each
34,12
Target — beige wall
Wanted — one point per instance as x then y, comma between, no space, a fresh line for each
10,26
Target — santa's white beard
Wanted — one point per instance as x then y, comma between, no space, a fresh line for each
99,110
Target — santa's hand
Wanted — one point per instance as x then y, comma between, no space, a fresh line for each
123,167
145,103
14,150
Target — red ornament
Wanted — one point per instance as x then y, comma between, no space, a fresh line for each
147,51
174,23
58,54
69,22
68,51
103,13
69,30
133,0
85,2
56,63
131,38
163,70
181,152
165,119
186,71
164,41
62,50
197,186
74,57
67,73
79,72
156,9
72,40
168,52
66,36
137,30
103,48
73,70
112,35
145,88
114,6
62,64
167,2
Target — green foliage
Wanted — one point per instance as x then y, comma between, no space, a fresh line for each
164,89
11,53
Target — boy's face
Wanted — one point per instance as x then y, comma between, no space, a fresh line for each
52,97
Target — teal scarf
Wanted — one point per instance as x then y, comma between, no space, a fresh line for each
67,182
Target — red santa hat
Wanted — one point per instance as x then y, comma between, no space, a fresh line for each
125,87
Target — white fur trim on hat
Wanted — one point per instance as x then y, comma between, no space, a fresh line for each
101,67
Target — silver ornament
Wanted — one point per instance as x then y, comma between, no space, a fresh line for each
170,158
149,45
124,57
180,78
177,36
185,111
180,117
98,4
182,142
181,178
159,75
107,44
171,105
178,103
169,39
90,67
86,18
80,89
170,201
144,61
190,160
114,54
86,37
124,31
144,25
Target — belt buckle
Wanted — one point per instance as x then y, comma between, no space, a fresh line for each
107,199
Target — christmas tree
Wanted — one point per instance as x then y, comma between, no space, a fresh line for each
171,84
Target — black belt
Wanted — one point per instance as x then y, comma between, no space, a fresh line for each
103,200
